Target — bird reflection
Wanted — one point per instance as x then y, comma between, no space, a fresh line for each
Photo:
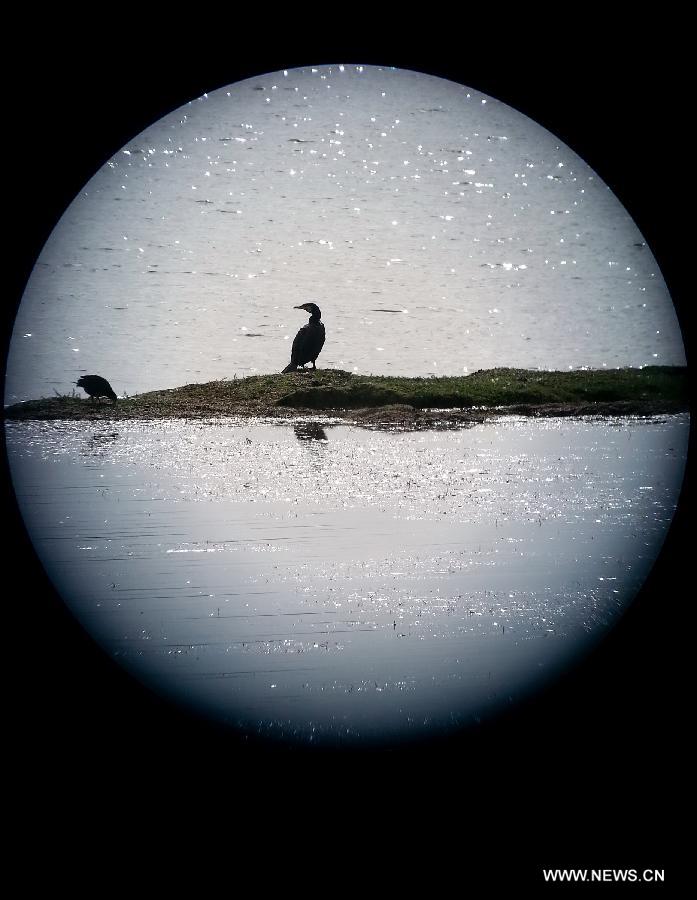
310,431
99,444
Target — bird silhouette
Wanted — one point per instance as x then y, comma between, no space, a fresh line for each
96,386
308,341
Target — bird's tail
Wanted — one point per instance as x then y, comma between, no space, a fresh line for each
291,367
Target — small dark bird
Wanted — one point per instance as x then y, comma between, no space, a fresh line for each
96,386
308,341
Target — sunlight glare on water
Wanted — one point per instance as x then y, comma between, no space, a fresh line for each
330,583
367,190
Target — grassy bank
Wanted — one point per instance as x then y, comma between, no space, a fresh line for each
654,389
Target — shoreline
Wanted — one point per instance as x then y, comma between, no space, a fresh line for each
367,399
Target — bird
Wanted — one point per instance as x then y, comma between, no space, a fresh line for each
308,341
96,386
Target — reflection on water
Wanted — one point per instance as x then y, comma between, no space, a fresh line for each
99,444
310,431
363,586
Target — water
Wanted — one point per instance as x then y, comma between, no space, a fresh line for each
439,230
326,583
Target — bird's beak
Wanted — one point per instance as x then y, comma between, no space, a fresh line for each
298,307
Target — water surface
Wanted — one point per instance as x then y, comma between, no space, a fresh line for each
330,583
439,230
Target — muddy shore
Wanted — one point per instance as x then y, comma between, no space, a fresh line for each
410,402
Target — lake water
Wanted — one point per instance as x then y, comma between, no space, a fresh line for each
321,582
439,230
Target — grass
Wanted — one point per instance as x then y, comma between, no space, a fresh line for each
649,390
496,387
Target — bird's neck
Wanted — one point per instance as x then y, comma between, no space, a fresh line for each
315,317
